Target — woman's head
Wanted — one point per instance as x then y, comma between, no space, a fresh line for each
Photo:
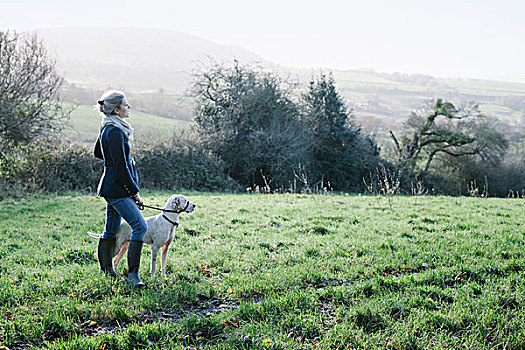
114,102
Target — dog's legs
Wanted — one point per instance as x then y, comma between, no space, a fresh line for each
120,254
154,253
163,257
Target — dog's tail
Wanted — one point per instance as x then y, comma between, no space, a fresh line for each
94,235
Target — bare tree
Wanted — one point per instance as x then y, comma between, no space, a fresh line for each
247,119
29,82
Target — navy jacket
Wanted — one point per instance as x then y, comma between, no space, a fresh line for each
120,178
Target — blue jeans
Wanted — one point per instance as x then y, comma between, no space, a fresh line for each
118,208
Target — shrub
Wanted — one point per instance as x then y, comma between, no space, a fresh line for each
470,176
179,162
47,166
247,118
267,138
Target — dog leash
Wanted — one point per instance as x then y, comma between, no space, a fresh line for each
174,223
164,209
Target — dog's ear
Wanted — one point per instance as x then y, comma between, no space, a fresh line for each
182,201
175,201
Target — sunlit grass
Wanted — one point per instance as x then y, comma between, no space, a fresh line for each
85,123
272,271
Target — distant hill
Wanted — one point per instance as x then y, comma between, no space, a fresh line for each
155,66
139,59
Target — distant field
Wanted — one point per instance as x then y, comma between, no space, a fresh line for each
366,81
503,113
85,123
390,98
489,88
281,271
465,86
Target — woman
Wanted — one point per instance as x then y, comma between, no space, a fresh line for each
119,184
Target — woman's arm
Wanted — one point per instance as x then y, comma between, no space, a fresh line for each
97,149
118,157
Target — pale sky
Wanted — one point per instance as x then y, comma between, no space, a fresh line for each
445,38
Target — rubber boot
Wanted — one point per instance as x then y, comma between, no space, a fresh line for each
105,256
134,252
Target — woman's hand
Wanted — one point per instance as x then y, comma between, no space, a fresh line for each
139,201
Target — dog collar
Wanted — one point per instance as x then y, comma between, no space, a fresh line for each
170,221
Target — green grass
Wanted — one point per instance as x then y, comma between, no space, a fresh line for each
276,271
85,123
485,87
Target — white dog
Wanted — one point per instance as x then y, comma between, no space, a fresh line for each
161,229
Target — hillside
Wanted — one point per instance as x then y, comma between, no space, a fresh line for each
85,122
139,59
155,66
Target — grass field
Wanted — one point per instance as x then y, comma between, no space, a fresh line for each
486,88
276,271
85,123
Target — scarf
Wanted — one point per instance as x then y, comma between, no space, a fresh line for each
119,123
